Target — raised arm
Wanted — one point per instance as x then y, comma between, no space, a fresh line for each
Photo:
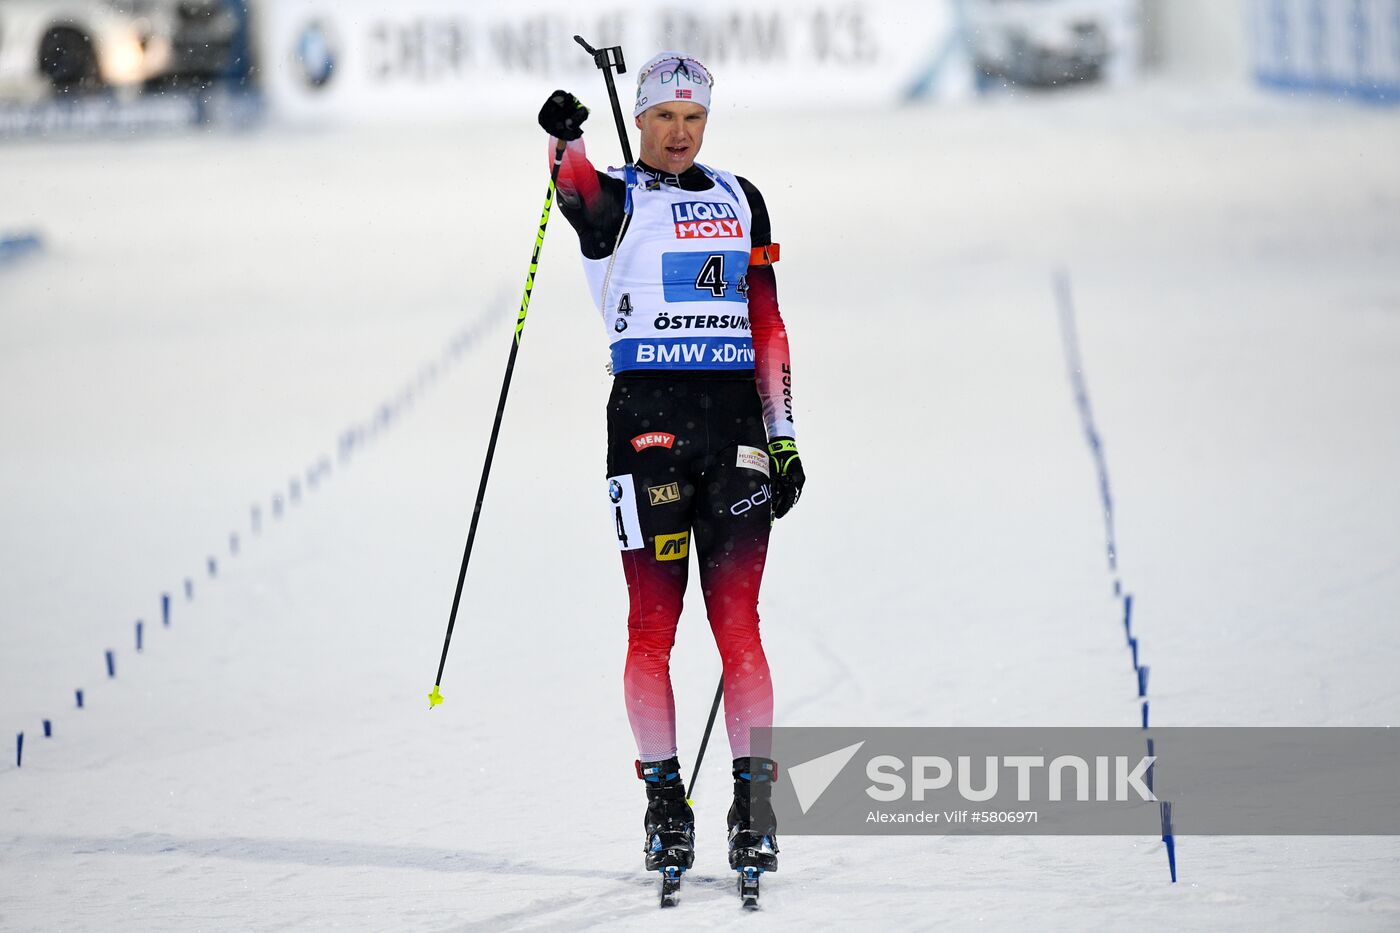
591,200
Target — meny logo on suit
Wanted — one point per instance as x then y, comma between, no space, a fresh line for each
705,220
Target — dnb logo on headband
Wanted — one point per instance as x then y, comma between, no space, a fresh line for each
705,219
685,70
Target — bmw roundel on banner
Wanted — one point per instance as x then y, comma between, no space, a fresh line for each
315,54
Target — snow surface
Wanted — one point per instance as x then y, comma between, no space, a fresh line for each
212,312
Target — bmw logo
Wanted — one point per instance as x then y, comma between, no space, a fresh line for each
621,325
614,490
315,54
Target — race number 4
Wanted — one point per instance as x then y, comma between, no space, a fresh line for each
711,277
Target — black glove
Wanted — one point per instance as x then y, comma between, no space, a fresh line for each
788,475
562,116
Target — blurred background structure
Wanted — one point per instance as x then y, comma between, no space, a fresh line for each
93,64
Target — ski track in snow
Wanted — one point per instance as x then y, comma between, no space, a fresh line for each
269,763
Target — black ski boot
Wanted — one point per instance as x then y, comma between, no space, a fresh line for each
753,829
670,824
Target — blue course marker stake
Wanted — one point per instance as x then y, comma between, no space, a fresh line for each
189,588
48,729
1144,714
276,506
1132,646
1128,616
294,489
111,664
140,626
213,567
233,543
165,609
19,750
1151,753
257,519
79,695
1117,587
1169,838
1142,681
15,245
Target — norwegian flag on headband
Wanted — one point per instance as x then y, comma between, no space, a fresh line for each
683,93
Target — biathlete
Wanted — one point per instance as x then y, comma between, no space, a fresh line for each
702,451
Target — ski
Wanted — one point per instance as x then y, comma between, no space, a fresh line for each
748,887
751,861
671,885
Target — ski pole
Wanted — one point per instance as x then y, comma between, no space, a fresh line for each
704,741
435,697
607,59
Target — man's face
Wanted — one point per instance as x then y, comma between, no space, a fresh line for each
672,134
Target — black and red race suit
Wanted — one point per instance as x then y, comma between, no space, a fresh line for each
701,381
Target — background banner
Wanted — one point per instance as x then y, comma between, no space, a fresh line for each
1347,48
443,59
